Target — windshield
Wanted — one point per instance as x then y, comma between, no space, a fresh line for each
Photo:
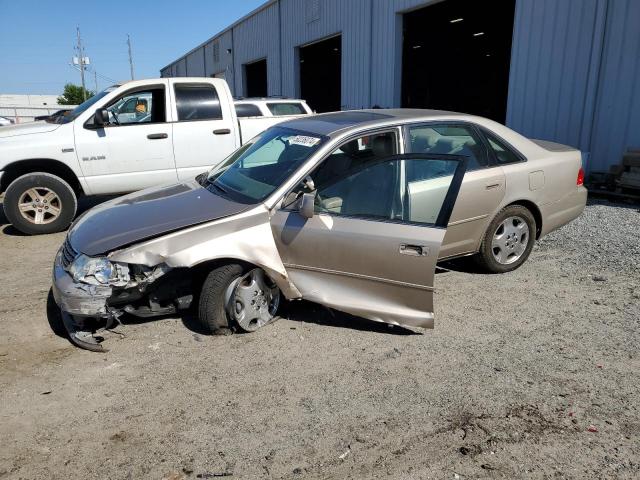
258,168
83,107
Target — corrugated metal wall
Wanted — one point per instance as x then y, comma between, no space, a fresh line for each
257,38
574,78
617,117
554,68
575,71
306,24
370,63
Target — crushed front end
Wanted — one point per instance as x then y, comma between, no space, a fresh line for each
94,292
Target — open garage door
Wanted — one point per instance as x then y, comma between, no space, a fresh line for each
456,56
255,75
320,74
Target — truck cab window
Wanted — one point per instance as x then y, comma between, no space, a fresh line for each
197,102
145,106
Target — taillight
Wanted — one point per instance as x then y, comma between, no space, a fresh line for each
580,179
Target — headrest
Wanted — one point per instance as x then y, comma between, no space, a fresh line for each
382,146
350,148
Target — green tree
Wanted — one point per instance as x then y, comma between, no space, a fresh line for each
72,95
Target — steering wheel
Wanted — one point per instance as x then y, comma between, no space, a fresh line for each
115,116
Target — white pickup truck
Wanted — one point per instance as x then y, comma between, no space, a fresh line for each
125,138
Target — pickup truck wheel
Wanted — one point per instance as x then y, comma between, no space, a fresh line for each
39,202
233,298
508,240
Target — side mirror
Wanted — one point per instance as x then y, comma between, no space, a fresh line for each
101,117
306,207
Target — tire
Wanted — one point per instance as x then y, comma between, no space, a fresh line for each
40,193
234,298
508,241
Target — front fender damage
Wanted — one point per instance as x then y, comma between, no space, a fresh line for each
161,268
246,237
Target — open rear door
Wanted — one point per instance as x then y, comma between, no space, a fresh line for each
372,246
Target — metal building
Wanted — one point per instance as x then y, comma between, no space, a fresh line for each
561,70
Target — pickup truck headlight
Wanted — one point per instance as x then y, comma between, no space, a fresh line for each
99,271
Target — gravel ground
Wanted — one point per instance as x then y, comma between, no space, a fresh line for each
532,374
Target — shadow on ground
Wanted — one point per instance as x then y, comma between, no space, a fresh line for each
308,312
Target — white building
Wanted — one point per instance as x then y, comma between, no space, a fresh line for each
23,108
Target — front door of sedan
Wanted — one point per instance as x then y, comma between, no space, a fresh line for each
371,247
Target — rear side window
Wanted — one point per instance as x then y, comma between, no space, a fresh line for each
197,102
449,140
286,108
247,110
504,155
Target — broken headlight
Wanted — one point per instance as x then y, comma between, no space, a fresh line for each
99,271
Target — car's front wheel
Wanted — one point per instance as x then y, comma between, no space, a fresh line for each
508,241
39,202
235,298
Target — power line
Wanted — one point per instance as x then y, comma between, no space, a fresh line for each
95,73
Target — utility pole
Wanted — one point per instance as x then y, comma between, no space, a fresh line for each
81,63
95,79
130,56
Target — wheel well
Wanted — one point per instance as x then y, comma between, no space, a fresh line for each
201,270
535,211
54,167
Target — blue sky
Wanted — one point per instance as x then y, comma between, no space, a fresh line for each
37,38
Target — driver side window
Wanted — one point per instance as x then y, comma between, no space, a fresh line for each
356,180
139,107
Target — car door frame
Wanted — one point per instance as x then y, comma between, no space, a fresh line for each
378,298
474,226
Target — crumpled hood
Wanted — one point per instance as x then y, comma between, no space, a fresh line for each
148,213
28,128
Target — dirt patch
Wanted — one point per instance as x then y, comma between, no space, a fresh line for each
518,370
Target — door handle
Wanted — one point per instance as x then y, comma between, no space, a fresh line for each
157,136
222,131
491,186
414,250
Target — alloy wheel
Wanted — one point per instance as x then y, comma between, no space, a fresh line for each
510,240
40,205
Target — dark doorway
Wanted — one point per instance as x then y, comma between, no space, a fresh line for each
255,75
320,74
456,56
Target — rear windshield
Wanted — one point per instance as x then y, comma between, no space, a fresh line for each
293,108
247,110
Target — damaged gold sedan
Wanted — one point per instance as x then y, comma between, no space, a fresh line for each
336,209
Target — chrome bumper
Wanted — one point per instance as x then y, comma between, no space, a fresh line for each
78,299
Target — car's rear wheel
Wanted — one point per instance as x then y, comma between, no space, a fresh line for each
38,203
235,298
508,241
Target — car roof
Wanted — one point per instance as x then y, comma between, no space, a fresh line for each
267,99
330,124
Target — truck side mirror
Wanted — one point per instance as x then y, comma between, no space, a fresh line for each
101,117
306,207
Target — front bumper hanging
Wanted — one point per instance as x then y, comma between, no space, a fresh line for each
80,304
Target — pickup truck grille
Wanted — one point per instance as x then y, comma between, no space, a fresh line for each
68,254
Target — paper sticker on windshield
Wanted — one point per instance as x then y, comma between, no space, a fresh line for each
303,140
